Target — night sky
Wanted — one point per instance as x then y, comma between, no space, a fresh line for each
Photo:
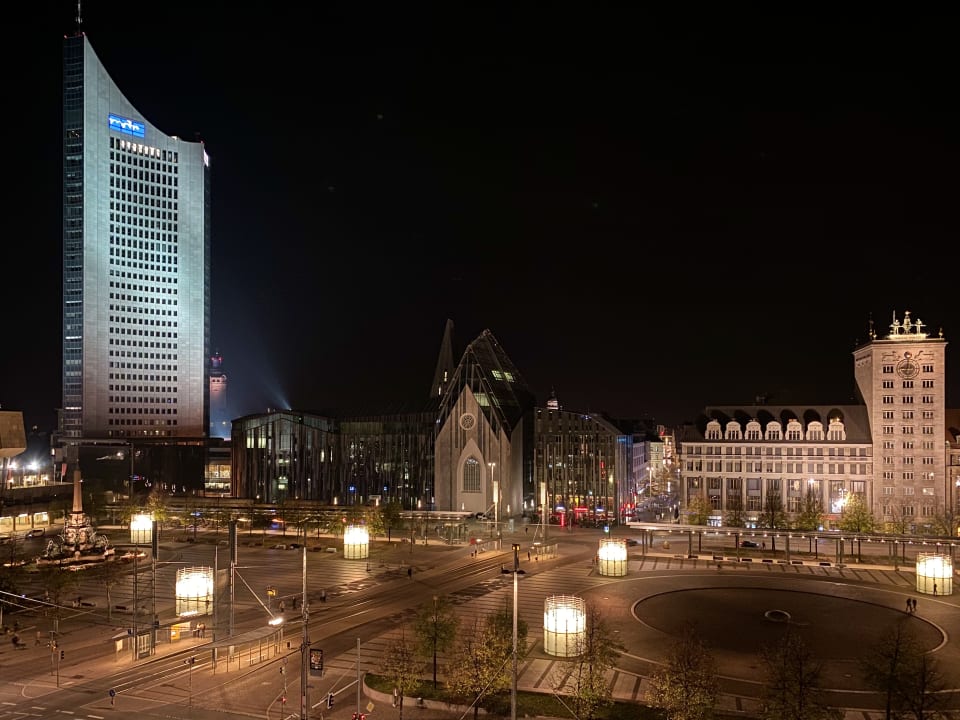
651,214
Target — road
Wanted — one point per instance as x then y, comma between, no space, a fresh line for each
371,601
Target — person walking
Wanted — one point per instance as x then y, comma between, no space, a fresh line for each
934,589
909,605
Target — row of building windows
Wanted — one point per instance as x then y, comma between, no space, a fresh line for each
789,468
908,400
890,369
908,430
145,153
773,451
141,411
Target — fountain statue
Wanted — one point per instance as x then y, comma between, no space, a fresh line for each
79,542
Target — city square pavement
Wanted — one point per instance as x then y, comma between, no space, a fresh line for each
840,612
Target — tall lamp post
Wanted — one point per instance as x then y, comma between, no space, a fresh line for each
496,497
516,571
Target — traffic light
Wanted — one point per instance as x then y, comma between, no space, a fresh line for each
329,700
61,655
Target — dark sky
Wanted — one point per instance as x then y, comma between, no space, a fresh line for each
652,214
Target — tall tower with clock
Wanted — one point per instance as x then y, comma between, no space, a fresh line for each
901,378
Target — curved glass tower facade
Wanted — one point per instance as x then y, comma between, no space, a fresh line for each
136,266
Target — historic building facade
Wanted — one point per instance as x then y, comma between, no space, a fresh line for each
890,451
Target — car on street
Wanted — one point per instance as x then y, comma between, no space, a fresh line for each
36,532
749,544
632,542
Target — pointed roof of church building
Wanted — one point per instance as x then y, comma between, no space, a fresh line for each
445,365
500,390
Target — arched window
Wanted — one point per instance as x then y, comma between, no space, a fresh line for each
471,475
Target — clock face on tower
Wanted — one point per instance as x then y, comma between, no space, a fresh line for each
908,368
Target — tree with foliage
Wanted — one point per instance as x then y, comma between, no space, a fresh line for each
698,510
811,510
584,677
792,683
856,516
390,516
401,666
773,516
158,505
734,516
436,628
900,522
898,667
481,665
687,687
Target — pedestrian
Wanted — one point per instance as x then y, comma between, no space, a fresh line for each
914,604
934,589
410,572
38,638
295,599
526,530
909,605
323,595
283,607
528,556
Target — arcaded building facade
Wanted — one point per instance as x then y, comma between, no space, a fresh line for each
136,266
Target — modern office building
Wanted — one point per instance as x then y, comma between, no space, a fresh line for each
136,266
893,450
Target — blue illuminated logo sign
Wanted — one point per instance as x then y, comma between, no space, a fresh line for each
126,125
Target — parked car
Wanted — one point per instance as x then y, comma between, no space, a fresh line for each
632,542
36,532
280,546
749,544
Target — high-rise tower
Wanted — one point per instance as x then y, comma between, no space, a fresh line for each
219,417
902,379
136,266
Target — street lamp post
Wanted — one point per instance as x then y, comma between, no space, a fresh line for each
496,497
516,572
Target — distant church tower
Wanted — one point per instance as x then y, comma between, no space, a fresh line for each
901,379
219,418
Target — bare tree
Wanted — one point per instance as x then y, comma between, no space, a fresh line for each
899,668
734,516
792,684
687,687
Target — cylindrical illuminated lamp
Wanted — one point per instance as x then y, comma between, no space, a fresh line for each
356,542
934,574
612,557
564,625
194,591
141,529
